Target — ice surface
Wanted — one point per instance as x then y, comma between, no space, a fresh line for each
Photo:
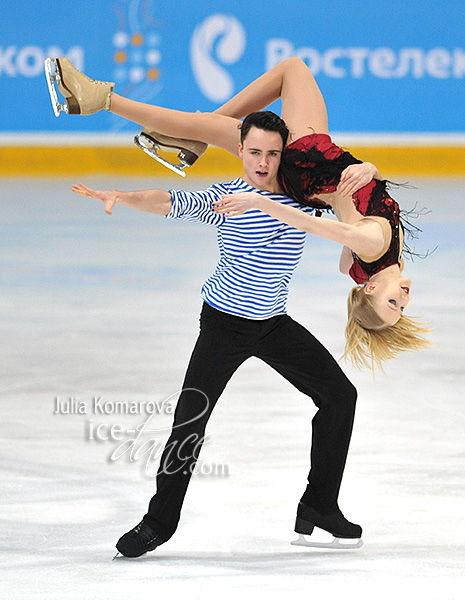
99,309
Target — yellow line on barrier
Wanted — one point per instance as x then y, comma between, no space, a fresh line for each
414,160
87,160
84,160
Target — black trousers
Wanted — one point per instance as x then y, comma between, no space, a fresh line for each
224,343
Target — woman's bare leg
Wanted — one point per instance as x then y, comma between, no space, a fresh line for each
303,106
215,129
303,109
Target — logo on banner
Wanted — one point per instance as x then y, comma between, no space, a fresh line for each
137,55
220,40
28,61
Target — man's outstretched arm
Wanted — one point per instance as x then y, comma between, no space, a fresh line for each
154,201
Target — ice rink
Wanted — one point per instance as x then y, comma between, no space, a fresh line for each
99,314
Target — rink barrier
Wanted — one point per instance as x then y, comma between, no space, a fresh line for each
116,159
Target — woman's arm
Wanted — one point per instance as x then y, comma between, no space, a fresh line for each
155,201
346,260
364,237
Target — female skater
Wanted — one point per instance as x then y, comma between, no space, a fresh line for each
314,172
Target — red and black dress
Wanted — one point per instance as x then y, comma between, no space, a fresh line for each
313,165
372,200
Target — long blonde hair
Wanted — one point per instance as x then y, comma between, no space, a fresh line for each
370,342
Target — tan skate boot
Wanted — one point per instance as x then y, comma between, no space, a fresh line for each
83,96
188,150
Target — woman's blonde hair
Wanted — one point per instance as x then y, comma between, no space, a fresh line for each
370,342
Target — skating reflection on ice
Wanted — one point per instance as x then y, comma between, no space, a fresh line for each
107,307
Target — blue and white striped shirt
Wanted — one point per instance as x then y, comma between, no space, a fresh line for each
258,254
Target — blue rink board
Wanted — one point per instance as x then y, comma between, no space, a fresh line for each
383,66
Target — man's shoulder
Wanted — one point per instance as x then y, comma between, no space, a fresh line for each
239,185
236,185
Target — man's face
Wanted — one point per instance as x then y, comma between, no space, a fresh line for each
261,156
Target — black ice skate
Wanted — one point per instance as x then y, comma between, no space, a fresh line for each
138,541
346,534
188,150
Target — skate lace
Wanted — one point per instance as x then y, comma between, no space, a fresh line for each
143,535
88,78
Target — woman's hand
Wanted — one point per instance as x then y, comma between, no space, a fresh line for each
108,197
355,177
232,205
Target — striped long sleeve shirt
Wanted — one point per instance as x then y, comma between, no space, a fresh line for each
258,254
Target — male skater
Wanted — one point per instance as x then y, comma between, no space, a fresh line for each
244,315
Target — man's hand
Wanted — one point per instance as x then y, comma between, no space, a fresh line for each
232,205
355,177
108,197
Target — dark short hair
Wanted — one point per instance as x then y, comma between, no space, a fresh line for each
266,120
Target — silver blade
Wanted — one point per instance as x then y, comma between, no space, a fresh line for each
338,543
52,78
152,152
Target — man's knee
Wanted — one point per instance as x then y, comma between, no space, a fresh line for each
192,410
341,393
348,395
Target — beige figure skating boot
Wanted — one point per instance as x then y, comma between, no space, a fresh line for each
188,150
83,96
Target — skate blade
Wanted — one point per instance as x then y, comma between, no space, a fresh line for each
117,555
337,543
52,76
150,148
